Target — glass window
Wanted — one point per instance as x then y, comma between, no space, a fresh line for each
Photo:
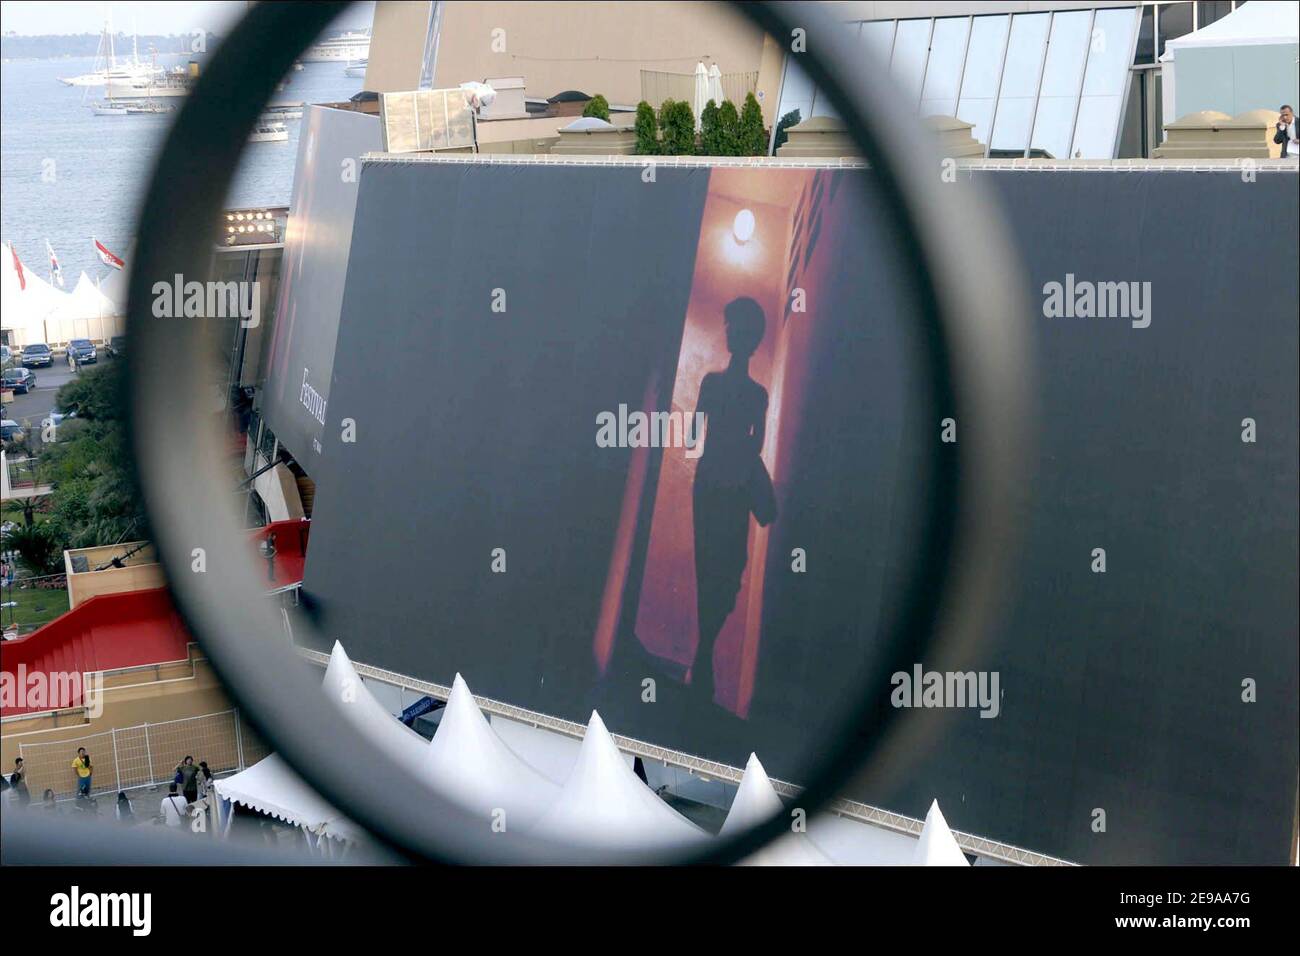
1207,13
1020,78
943,72
1146,45
1067,51
1104,82
908,63
979,85
878,37
796,91
1175,21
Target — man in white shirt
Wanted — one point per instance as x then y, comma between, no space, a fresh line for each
173,808
1286,134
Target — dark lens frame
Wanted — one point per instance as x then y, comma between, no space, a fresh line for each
978,376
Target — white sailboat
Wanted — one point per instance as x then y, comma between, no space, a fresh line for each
111,71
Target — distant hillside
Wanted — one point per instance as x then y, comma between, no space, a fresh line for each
50,47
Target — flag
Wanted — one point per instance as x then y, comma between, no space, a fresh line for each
55,272
105,256
18,268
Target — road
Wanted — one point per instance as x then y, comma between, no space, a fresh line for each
30,408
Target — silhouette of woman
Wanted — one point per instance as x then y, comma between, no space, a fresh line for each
730,481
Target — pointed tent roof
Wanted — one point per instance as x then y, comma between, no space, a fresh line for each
469,763
604,803
937,846
756,800
84,302
26,307
342,684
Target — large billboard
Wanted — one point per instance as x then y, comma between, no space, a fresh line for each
299,355
650,446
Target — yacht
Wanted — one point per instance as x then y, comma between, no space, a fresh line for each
348,47
269,133
106,69
357,69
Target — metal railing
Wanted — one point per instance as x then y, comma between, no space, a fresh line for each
145,755
658,85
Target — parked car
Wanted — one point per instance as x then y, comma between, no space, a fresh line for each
37,354
19,379
83,350
116,346
10,430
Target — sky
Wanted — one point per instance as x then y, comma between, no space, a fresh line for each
34,17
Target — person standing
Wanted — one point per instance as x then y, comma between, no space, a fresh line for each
188,774
173,807
18,780
81,765
124,811
1286,133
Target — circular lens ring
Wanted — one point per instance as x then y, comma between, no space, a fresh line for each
977,366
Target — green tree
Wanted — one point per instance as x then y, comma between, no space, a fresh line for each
677,120
647,130
90,466
729,130
598,107
752,134
710,140
39,547
791,118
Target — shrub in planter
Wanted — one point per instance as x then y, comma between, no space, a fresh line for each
598,107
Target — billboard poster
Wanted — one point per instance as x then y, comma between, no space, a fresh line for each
653,447
299,354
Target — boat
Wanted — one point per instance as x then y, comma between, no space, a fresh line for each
109,108
357,69
348,47
149,107
269,133
111,71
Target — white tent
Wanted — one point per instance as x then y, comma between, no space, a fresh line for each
343,686
1244,61
756,800
937,846
605,804
85,301
471,765
25,304
701,96
270,786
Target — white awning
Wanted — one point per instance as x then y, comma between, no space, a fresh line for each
1255,24
270,786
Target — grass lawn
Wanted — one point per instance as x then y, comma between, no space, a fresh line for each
35,607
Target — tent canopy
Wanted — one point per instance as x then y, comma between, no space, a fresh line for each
603,803
270,786
1252,25
470,764
756,801
937,846
343,686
